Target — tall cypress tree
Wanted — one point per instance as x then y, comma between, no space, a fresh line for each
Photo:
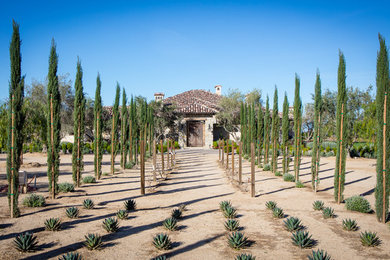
79,128
260,133
297,127
114,128
124,130
15,122
383,133
275,132
253,124
266,132
98,127
54,122
242,122
341,131
285,128
315,161
131,130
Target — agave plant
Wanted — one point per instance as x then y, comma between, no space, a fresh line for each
292,224
72,212
170,224
26,242
183,207
318,205
71,256
111,224
270,205
122,214
350,224
161,257
224,204
278,212
237,240
328,212
93,241
369,238
319,255
230,212
302,239
52,224
232,224
130,205
245,257
88,204
162,242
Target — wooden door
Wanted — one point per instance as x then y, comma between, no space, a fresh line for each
195,134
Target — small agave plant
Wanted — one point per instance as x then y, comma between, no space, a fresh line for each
292,224
237,240
176,213
93,241
245,257
122,214
318,205
302,239
162,241
52,224
369,239
183,207
270,205
328,212
71,256
111,225
230,212
350,224
26,242
130,205
232,225
278,212
319,255
88,204
161,257
72,212
170,224
224,204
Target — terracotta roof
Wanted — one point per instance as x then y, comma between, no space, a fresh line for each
195,101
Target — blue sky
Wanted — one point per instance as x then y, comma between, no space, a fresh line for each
174,46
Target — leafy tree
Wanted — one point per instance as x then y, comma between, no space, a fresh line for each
54,122
297,127
383,133
275,132
124,129
341,130
266,132
98,127
285,130
114,129
315,161
79,128
16,121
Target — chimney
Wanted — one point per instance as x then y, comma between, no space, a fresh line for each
218,90
158,96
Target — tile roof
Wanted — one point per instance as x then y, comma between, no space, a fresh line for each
195,101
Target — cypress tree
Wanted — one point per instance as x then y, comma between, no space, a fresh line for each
315,161
260,133
98,149
383,133
54,122
131,129
297,127
79,128
114,129
275,132
124,130
253,124
242,122
266,131
249,129
15,122
285,128
246,132
341,131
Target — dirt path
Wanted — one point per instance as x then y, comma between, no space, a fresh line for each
201,184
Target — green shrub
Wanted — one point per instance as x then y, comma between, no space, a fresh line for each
26,242
319,255
65,187
111,225
288,177
350,225
278,174
299,185
63,148
129,165
34,200
122,214
267,167
72,212
318,205
89,179
162,241
270,205
176,144
278,212
52,224
302,239
292,224
69,146
88,204
358,203
232,225
328,212
245,257
170,224
369,239
71,256
237,240
93,241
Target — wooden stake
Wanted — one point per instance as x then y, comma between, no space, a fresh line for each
53,190
131,141
223,153
97,146
162,157
172,147
219,150
232,160
12,154
240,164
317,166
296,158
142,155
154,161
227,155
112,144
252,170
340,154
78,151
384,196
259,154
168,147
